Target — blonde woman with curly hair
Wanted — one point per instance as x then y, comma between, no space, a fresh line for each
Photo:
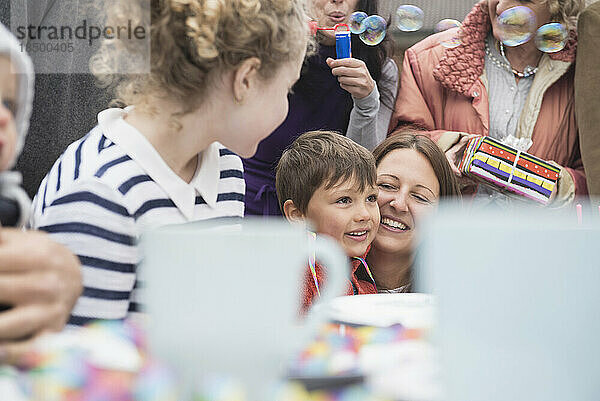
484,87
219,80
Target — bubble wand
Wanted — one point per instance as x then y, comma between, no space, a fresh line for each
370,29
342,38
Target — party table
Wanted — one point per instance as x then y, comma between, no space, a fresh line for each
372,348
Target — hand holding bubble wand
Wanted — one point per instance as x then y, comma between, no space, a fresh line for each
353,74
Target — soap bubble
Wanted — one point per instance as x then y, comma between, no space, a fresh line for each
445,24
355,22
453,41
551,38
516,25
410,18
375,27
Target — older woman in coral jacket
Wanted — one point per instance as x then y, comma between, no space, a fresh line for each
484,88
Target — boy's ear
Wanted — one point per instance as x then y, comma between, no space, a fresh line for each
292,213
244,77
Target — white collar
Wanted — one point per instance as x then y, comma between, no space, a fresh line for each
205,180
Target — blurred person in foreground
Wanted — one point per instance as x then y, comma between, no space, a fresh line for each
39,279
16,96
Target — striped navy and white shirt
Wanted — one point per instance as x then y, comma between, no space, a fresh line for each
109,187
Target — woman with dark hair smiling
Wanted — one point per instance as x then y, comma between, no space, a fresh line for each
354,96
413,174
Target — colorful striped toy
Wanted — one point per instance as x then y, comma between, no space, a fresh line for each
508,169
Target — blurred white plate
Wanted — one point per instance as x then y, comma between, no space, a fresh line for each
411,310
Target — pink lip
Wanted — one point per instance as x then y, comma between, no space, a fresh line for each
337,17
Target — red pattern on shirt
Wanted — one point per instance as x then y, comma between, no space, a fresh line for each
359,277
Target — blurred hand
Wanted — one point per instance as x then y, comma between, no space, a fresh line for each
353,76
40,281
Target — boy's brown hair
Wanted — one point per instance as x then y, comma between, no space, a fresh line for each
319,158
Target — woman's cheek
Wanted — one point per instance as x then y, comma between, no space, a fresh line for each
383,198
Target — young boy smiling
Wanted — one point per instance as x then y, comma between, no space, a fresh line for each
330,181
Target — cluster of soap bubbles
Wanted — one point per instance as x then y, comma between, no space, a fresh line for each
410,19
517,25
370,29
